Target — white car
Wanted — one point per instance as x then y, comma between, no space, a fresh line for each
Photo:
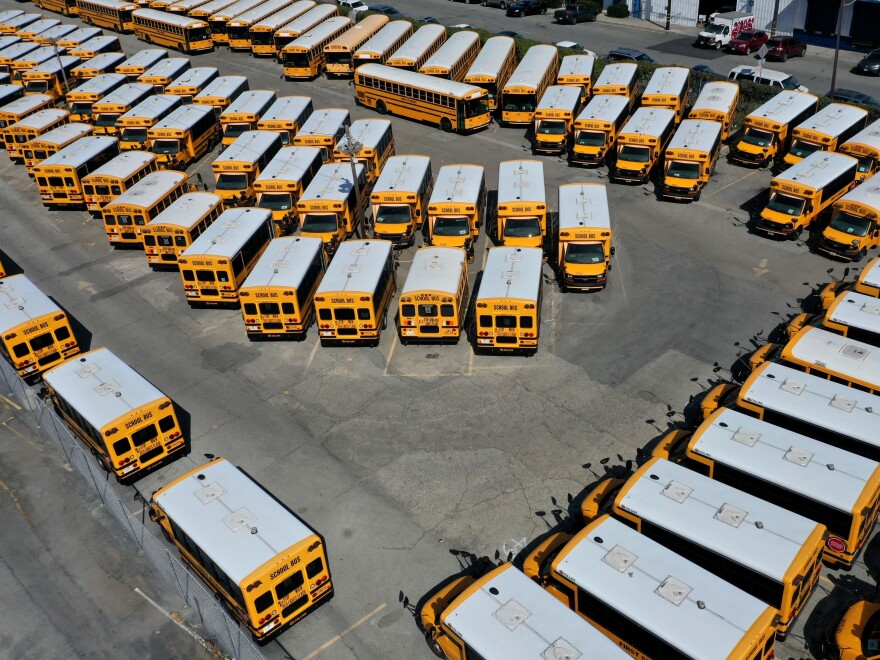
766,76
462,26
356,6
576,46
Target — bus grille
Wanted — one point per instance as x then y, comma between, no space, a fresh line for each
272,326
299,603
346,331
208,292
430,329
150,455
52,357
505,339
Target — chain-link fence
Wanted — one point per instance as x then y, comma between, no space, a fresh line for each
208,615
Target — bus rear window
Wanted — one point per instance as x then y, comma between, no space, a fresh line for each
42,341
343,314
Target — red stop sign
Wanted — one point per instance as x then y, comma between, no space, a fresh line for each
836,545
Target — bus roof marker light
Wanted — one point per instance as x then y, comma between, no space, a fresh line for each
731,515
673,590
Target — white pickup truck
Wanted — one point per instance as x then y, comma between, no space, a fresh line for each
723,28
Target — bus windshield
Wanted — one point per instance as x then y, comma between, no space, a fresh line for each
522,227
866,164
635,154
590,139
297,60
276,201
850,224
319,223
786,204
338,57
551,127
232,181
199,34
758,137
134,135
584,253
234,130
451,226
803,149
393,215
476,107
36,86
683,169
81,108
166,146
519,102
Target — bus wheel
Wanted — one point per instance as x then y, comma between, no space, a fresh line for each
385,321
380,108
796,234
860,255
434,646
446,125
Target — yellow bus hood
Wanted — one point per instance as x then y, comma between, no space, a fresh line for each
791,159
393,228
778,218
840,237
585,270
530,241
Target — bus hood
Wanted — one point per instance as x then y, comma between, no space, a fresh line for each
842,238
781,219
585,270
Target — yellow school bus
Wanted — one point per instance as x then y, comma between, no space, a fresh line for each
97,46
238,28
851,314
492,68
277,298
15,23
110,14
507,315
16,51
857,631
800,194
521,213
29,32
298,27
219,21
63,7
577,71
526,85
640,144
221,92
192,82
457,207
33,59
216,264
269,578
339,53
23,107
109,109
135,123
825,131
283,181
35,334
59,177
385,42
262,33
184,136
434,298
51,142
78,37
188,35
328,208
717,102
51,78
164,72
865,145
400,199
690,159
111,180
767,131
82,98
10,93
374,143
132,431
54,34
554,118
855,224
286,116
596,129
32,126
303,58
243,114
175,228
619,79
668,88
95,66
127,214
868,281
323,129
141,62
584,240
236,168
418,48
453,59
353,298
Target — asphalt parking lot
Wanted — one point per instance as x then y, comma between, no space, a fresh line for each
401,455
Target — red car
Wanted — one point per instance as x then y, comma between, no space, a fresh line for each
781,48
747,41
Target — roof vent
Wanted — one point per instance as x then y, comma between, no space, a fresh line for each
619,558
842,403
854,352
677,492
107,387
798,456
792,386
512,614
673,590
746,437
210,492
561,649
238,519
730,515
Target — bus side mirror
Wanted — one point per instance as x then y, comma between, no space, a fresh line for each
418,213
612,250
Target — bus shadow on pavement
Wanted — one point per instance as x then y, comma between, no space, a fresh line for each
685,46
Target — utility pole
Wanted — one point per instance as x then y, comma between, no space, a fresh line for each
775,19
836,49
668,12
352,147
60,66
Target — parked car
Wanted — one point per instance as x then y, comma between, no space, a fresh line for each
462,26
629,55
781,48
428,19
388,10
869,64
852,96
748,41
501,4
469,2
764,76
356,6
527,7
573,45
573,14
511,34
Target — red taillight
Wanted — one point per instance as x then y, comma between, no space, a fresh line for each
368,326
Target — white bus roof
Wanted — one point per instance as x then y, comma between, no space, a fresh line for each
101,387
211,8
840,355
42,118
492,57
66,134
414,47
100,84
619,73
510,617
533,66
167,68
802,465
52,66
430,83
40,54
259,12
818,169
124,165
126,94
668,80
583,205
21,301
183,6
153,107
81,151
287,108
145,58
224,86
82,34
25,103
458,183
101,41
560,97
8,40
240,542
284,16
435,269
696,134
101,62
9,14
717,96
7,90
512,272
366,131
324,121
184,117
318,33
228,233
452,50
605,107
197,76
834,119
40,26
521,181
20,49
649,121
356,266
384,38
785,107
354,37
696,612
149,190
186,210
333,182
576,65
869,136
403,172
867,194
59,31
251,102
310,19
717,517
285,262
290,164
856,310
234,10
870,273
817,401
249,146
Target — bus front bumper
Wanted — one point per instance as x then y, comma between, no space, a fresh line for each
689,193
584,282
586,158
400,239
546,147
624,175
837,249
749,157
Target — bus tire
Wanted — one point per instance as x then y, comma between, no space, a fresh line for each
435,647
446,125
861,255
796,234
381,108
385,321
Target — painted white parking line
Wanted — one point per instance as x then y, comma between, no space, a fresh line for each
330,642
